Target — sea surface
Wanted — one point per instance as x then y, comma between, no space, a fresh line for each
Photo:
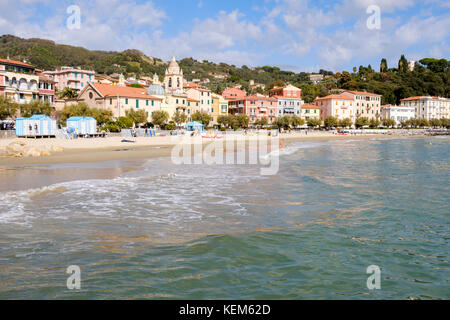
156,230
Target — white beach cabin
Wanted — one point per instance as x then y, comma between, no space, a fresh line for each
37,125
83,125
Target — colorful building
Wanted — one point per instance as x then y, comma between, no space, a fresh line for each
310,111
255,107
119,99
18,81
426,107
219,107
365,104
46,88
203,95
74,78
289,100
335,105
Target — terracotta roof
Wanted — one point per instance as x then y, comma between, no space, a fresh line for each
362,93
309,106
108,90
192,100
335,96
412,98
257,98
16,63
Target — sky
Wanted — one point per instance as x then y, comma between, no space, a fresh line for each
296,35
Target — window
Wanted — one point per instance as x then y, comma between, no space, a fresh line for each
146,102
110,101
137,104
126,100
153,103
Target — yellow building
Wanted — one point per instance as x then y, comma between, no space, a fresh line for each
219,107
310,111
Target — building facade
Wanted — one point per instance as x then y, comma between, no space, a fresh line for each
426,107
289,100
335,105
74,78
119,99
310,111
255,107
18,81
397,113
219,107
365,104
203,95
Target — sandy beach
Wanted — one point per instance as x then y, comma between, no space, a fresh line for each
112,148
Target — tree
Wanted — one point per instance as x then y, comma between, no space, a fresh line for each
361,122
8,109
435,123
136,85
224,120
82,110
331,122
283,122
68,93
345,123
179,118
296,121
374,123
403,64
102,116
139,116
388,123
242,120
125,122
313,122
202,117
35,107
159,118
383,65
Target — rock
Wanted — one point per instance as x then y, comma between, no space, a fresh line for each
32,152
57,149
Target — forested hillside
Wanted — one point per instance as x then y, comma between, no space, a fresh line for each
429,77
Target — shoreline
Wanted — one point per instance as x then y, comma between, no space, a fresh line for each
112,149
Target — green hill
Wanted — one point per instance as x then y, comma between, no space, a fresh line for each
430,76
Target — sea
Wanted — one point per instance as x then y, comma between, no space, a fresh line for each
334,212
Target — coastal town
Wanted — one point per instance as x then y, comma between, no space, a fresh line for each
175,102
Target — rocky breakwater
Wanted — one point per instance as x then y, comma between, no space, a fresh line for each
20,149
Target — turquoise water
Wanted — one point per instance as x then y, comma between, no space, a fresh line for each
224,232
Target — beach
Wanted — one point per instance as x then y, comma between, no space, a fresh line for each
112,148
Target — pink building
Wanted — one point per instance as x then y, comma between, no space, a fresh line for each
233,93
73,78
255,107
288,91
46,89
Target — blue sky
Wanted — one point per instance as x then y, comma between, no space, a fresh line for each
298,35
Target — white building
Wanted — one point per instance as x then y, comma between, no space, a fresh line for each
427,107
397,113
